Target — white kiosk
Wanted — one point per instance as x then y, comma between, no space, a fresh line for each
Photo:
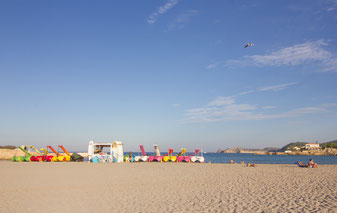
115,153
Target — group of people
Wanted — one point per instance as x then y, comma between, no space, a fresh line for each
311,164
242,162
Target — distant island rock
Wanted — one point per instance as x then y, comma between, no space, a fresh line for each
254,151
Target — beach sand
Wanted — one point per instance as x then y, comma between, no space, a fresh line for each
165,187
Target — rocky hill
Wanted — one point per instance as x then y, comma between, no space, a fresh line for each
330,144
243,150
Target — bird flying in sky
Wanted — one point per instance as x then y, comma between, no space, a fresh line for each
249,44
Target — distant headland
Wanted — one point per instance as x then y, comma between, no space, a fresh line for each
294,148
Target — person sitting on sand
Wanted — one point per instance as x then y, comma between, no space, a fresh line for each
231,161
312,164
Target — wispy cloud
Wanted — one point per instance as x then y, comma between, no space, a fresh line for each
212,65
330,65
278,87
161,10
228,111
300,54
294,55
182,19
246,92
175,105
269,107
273,88
220,101
224,108
229,63
323,7
219,113
332,5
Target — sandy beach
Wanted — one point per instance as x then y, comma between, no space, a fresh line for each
165,187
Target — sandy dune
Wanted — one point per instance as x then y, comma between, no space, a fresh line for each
165,187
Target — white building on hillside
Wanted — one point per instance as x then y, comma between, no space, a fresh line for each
312,146
295,148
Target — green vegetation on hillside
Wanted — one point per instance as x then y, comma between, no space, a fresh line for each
330,144
293,144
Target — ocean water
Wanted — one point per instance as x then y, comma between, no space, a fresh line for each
259,159
267,159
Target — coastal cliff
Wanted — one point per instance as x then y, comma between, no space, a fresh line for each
248,151
327,151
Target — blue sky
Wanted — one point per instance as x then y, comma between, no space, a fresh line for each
168,72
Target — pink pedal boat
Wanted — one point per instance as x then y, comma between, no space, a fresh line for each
182,158
157,157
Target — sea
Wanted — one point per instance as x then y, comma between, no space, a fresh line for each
224,158
267,159
262,159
